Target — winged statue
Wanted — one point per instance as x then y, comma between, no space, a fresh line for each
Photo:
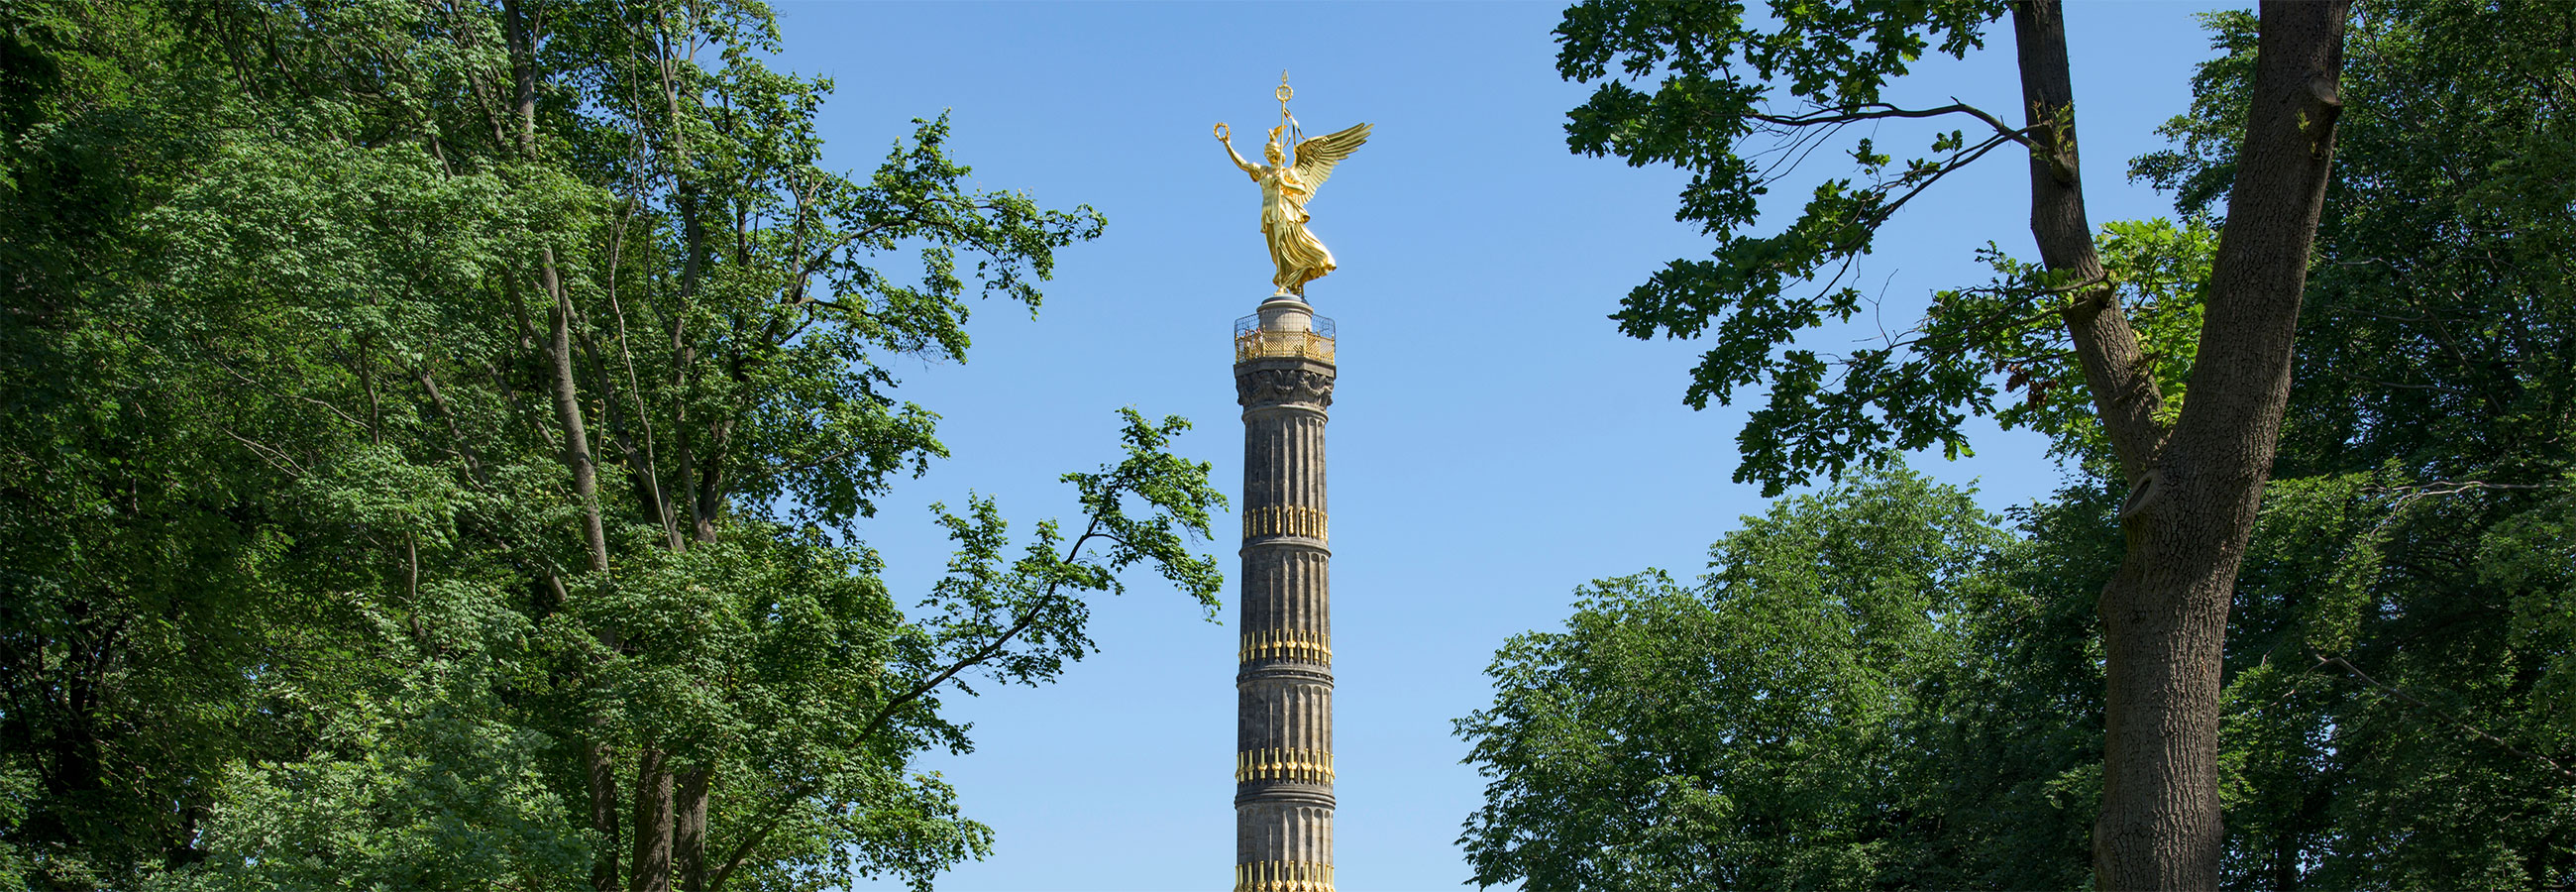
1285,188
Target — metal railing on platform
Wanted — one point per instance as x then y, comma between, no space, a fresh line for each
1250,342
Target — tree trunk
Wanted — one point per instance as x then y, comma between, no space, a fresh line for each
577,455
596,762
2164,614
2193,488
601,770
689,832
2164,619
597,767
697,783
2115,369
652,823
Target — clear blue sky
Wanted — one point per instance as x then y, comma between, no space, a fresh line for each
1494,441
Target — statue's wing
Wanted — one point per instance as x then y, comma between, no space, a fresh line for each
1316,157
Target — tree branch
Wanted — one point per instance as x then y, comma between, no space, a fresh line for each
1881,110
2445,715
885,714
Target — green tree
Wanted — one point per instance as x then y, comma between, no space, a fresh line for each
2393,709
438,432
1751,731
136,574
1996,770
2390,711
2193,472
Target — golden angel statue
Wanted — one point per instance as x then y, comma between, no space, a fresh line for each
1285,189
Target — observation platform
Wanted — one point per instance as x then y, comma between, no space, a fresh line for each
1285,335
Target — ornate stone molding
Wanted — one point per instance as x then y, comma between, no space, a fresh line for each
1279,764
1283,876
1267,387
1283,520
1285,671
1284,644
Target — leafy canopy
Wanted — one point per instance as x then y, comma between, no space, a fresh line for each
1741,102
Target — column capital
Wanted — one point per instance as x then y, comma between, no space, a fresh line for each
1261,384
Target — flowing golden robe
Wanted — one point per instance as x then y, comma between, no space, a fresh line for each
1296,254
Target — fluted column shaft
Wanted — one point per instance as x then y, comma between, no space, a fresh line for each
1284,731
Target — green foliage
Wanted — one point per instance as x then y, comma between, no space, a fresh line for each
2389,656
2396,694
2157,269
2393,703
1713,112
421,789
2439,286
2007,754
294,589
988,601
1752,731
1720,117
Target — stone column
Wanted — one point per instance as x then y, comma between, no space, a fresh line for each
1283,801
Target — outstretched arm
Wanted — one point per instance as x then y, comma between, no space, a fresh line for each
1221,137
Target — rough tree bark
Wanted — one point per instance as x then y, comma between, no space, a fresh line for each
689,830
2115,367
2194,486
652,822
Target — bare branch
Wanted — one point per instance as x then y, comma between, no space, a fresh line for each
275,457
1881,110
2452,488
